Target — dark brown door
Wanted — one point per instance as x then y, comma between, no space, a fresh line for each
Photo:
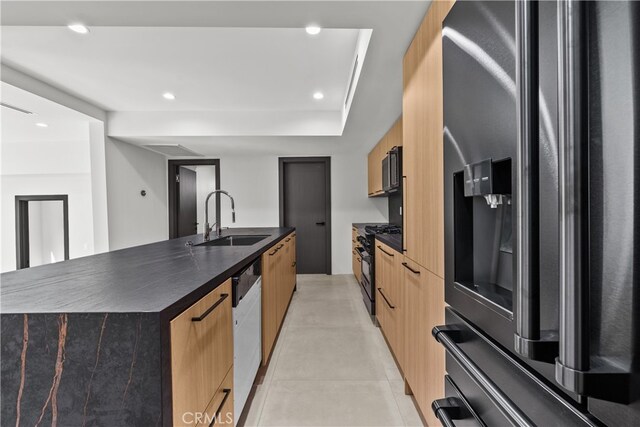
305,205
187,205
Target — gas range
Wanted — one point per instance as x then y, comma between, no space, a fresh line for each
368,240
382,229
367,257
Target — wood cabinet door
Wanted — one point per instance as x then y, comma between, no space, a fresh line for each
201,351
269,303
424,359
293,262
395,291
422,121
221,405
281,284
388,294
355,263
370,189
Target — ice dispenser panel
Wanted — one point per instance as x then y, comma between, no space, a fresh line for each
483,230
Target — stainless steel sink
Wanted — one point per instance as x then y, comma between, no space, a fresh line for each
235,240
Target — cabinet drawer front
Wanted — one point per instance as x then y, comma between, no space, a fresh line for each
201,351
220,408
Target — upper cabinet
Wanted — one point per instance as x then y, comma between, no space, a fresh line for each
393,138
422,110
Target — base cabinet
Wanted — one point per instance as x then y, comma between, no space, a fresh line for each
220,409
278,284
424,362
201,355
356,261
390,310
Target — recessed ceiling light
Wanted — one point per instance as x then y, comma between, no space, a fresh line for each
313,30
79,28
169,96
318,95
42,125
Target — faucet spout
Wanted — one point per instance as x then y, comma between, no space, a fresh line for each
217,224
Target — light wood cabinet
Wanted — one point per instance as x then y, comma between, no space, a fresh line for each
278,283
424,359
356,261
201,352
390,310
393,138
221,405
422,109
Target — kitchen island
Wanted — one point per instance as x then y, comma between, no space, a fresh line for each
87,341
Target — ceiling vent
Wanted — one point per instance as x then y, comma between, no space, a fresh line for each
172,150
14,108
350,88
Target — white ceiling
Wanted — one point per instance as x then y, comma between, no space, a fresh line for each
62,123
220,56
227,69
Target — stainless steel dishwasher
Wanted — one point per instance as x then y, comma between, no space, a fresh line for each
247,332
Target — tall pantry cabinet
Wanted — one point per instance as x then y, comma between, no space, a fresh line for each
423,280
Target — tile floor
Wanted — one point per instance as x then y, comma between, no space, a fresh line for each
331,365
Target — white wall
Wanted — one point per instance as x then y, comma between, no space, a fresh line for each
48,163
253,182
134,219
205,183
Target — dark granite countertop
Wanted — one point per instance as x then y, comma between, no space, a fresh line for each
394,241
147,278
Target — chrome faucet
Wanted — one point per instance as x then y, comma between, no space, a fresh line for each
217,225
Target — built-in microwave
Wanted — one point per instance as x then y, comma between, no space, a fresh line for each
392,170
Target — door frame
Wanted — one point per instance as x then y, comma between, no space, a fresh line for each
174,188
327,164
22,225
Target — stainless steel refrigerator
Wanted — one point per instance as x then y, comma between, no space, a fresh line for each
542,213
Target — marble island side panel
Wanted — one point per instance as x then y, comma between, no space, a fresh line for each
77,369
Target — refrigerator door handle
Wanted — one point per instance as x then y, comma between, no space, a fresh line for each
576,370
529,340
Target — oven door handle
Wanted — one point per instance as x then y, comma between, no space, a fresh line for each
529,340
449,337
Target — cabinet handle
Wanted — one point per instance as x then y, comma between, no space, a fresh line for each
227,392
404,213
358,259
380,247
280,247
411,269
210,309
393,307
274,252
287,239
354,252
294,264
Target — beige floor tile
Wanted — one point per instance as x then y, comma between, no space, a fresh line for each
321,353
405,404
330,313
328,403
331,365
255,407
